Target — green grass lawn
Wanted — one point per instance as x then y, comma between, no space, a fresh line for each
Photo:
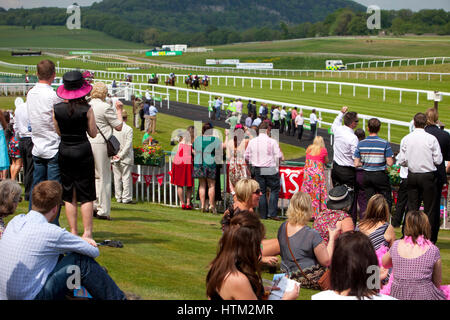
61,37
167,250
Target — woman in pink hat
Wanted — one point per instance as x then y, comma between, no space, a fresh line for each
73,118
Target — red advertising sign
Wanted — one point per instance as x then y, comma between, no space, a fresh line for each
291,179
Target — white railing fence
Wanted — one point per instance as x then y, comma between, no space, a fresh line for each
194,96
349,74
288,84
399,62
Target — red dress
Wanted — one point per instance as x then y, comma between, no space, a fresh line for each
182,167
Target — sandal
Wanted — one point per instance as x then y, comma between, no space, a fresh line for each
189,207
111,243
183,207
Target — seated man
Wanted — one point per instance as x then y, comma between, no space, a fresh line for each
30,248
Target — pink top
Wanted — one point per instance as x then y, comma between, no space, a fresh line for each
293,114
263,152
320,157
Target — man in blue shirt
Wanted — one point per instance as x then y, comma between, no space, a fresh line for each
217,106
373,154
152,113
30,248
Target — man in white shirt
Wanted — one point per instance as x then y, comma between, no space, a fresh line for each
421,153
239,109
123,162
345,143
298,124
22,129
30,251
40,101
283,114
313,123
276,117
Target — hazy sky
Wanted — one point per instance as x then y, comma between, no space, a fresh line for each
383,4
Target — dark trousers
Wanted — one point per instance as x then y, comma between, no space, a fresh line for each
377,182
300,132
92,276
25,147
401,206
293,127
277,124
360,194
289,124
46,169
313,131
341,175
267,179
282,125
424,186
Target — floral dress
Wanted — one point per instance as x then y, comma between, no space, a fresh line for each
326,219
314,181
238,168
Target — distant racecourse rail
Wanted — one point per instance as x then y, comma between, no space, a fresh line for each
393,75
399,62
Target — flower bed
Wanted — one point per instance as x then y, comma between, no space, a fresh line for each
149,155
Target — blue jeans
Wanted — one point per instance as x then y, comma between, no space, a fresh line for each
218,113
45,169
96,281
271,181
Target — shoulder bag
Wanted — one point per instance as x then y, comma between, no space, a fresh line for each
112,144
316,277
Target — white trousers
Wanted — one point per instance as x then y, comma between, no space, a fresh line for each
102,179
123,183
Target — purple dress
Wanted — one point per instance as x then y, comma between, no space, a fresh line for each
413,277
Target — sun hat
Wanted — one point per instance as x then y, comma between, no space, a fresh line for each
18,101
74,87
339,197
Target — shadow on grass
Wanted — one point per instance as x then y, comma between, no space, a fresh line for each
139,219
126,238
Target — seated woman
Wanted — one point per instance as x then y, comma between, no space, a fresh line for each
416,263
10,196
307,247
234,274
349,276
338,203
246,199
376,226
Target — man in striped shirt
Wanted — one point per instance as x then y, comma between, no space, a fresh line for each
373,154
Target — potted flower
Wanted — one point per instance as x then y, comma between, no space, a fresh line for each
149,155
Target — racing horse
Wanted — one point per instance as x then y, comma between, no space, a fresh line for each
153,80
188,81
195,83
204,84
171,81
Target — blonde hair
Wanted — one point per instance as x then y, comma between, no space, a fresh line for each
432,116
300,209
317,145
244,189
99,91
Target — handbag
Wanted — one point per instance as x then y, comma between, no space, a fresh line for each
316,277
112,144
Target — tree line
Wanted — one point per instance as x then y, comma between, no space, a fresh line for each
342,22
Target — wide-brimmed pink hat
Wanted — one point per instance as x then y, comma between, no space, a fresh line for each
74,87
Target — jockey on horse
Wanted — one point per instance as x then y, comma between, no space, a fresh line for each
188,81
205,81
171,79
153,79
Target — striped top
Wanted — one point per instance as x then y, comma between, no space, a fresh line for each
373,152
377,237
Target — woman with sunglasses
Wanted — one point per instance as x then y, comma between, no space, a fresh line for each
247,194
10,196
235,274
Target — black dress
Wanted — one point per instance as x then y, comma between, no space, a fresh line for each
76,161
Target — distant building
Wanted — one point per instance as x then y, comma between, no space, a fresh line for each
175,47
